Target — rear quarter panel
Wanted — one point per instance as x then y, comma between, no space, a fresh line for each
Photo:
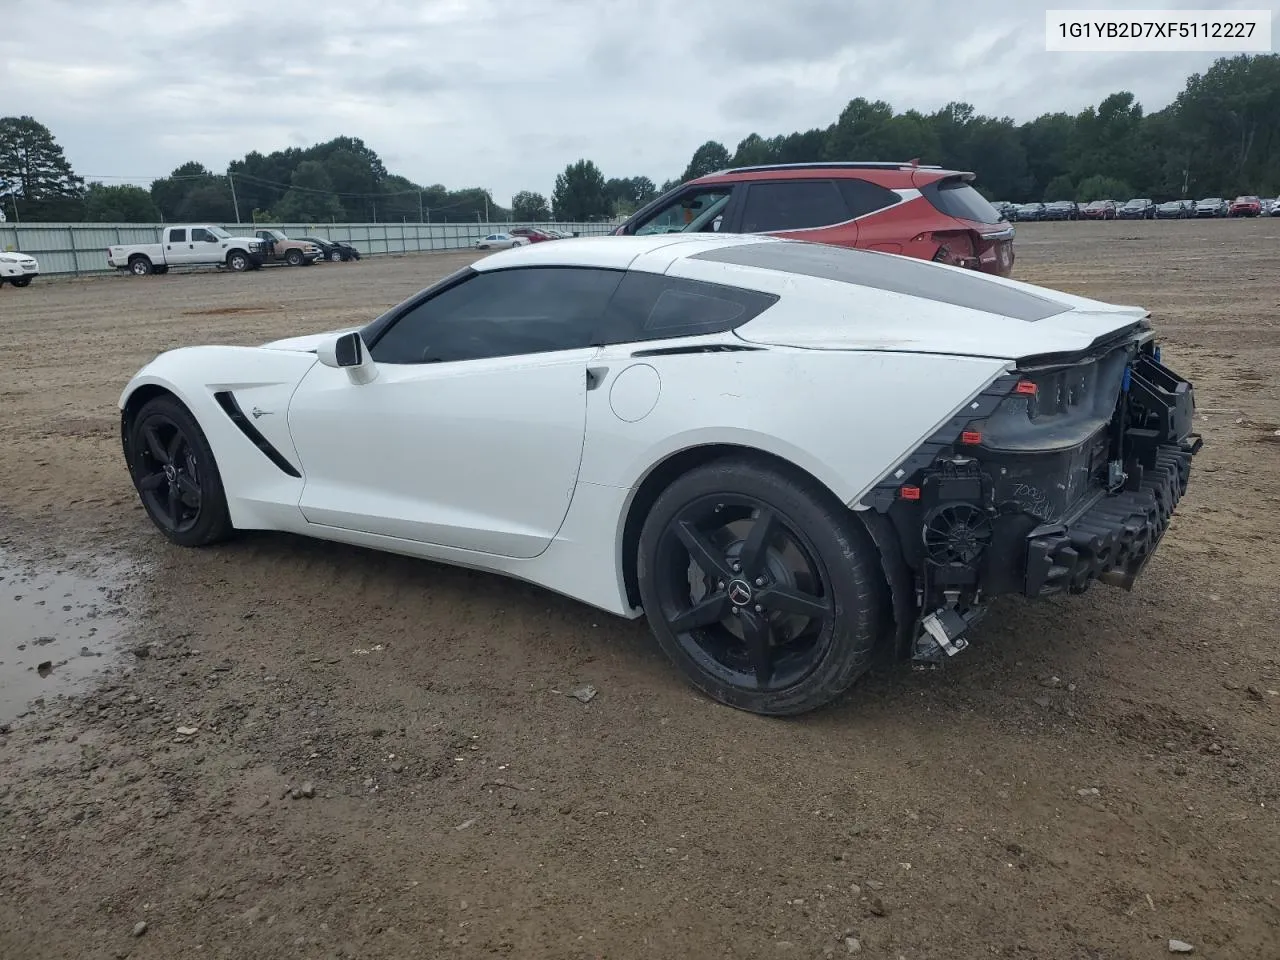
845,417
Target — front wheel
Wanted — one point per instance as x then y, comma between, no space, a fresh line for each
238,261
21,281
294,258
174,472
760,586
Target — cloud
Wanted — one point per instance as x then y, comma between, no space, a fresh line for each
504,93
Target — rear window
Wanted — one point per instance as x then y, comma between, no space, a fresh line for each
956,198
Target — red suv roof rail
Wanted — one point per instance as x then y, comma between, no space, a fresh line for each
832,164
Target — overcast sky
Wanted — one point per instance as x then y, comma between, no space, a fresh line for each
504,93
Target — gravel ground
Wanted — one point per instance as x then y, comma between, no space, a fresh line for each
293,749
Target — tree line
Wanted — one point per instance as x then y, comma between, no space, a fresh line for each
1219,137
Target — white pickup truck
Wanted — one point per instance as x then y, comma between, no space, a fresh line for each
188,245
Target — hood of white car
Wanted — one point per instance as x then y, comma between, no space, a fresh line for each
306,343
15,257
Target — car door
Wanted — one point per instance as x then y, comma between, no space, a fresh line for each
797,209
178,248
205,246
470,436
703,208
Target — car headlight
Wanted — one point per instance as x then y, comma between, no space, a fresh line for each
8,259
255,246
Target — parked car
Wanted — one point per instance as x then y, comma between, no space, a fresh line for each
18,269
1139,208
1099,210
187,245
1007,210
1212,207
1275,207
334,250
1171,210
1246,206
1061,210
278,248
1041,445
904,208
1031,211
535,234
501,241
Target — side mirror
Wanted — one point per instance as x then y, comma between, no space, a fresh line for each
348,351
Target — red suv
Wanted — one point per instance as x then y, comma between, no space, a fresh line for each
905,208
532,234
1246,207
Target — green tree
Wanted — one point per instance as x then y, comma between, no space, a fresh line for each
170,193
708,158
35,174
1100,187
1059,187
120,204
310,197
580,193
207,202
530,207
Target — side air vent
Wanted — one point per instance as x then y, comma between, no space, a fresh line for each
227,401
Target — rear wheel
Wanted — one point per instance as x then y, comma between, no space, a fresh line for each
139,266
760,586
175,474
335,255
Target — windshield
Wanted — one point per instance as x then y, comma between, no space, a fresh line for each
219,233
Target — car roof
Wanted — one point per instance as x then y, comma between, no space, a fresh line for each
611,253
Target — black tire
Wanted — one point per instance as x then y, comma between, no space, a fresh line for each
139,265
294,258
335,255
21,281
806,587
172,464
238,261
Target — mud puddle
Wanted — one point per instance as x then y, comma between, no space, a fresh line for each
60,626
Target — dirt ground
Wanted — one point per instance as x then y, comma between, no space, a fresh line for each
1093,777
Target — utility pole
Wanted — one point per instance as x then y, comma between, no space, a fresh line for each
486,208
420,220
234,202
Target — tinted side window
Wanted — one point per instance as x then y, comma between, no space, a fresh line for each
177,236
863,196
792,205
201,234
650,306
502,313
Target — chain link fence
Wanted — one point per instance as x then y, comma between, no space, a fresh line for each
80,249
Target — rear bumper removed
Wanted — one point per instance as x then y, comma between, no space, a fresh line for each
1113,539
984,508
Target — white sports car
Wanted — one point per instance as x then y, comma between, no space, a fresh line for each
790,457
18,268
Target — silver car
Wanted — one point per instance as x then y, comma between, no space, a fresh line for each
500,241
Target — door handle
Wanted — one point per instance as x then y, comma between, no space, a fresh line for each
595,376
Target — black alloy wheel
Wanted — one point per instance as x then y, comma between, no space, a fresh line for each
760,586
175,475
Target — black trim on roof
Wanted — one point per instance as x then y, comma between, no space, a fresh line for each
894,274
831,165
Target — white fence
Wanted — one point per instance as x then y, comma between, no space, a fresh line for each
81,248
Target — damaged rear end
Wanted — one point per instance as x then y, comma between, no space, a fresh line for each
1064,472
